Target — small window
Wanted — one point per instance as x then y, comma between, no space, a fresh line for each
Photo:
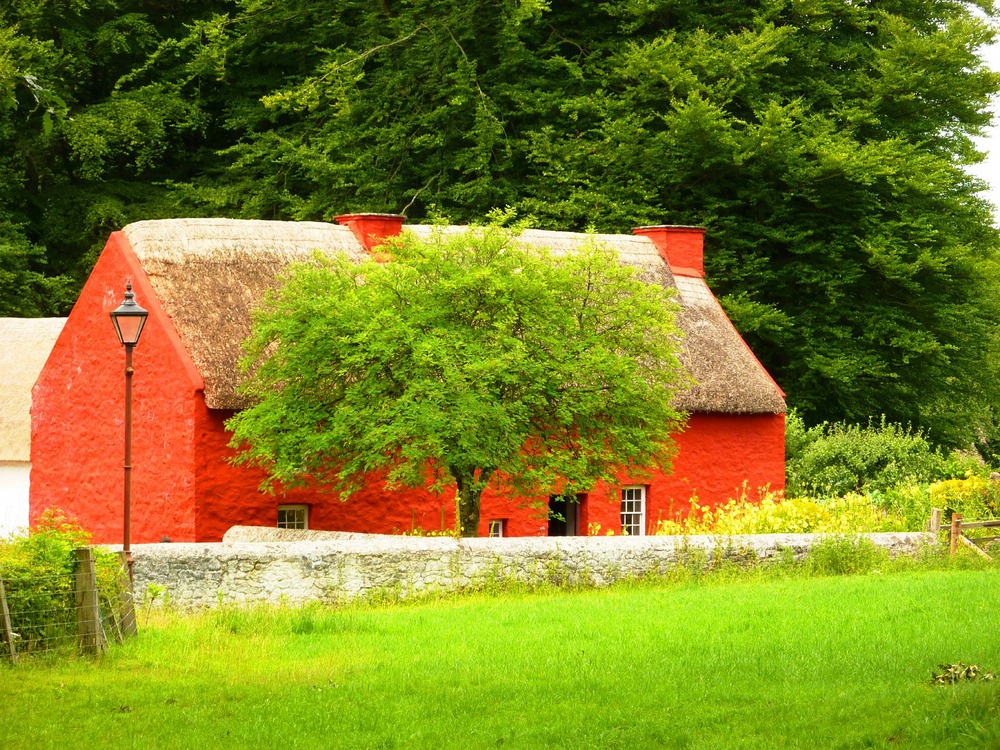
634,511
293,516
498,527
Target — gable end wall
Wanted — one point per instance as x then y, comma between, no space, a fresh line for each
77,425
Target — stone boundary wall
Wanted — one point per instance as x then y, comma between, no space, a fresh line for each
332,567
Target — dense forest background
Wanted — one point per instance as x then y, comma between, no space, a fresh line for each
825,144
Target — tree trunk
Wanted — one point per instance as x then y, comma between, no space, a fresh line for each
469,494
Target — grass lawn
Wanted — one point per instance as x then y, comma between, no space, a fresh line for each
797,663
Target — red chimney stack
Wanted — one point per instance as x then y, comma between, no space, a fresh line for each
372,229
683,248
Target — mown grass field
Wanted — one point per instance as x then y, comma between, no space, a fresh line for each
837,662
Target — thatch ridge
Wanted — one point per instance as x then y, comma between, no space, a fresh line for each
211,273
25,344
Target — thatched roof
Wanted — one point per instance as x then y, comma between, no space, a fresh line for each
210,273
25,344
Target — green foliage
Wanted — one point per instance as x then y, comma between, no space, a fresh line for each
908,506
82,150
841,458
28,292
911,502
825,145
468,358
38,572
976,498
797,435
839,555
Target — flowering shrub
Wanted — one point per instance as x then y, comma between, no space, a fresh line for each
904,507
975,497
852,513
420,531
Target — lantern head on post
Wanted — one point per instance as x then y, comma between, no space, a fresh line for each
129,319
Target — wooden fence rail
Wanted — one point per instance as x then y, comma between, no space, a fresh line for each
956,534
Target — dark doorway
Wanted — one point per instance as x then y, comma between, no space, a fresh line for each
565,518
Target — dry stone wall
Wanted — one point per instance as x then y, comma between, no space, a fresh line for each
264,565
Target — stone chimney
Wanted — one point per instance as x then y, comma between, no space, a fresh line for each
372,229
683,248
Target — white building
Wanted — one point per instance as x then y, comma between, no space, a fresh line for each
25,344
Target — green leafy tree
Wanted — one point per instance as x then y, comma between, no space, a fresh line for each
825,144
469,357
87,144
26,288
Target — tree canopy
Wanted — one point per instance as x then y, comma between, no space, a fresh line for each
86,143
467,358
825,144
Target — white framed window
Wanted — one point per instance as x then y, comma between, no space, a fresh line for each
498,527
634,511
293,516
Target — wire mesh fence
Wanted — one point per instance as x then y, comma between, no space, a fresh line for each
42,612
65,612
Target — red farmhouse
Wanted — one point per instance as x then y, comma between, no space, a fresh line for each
201,278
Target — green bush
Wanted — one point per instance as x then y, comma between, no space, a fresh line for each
798,437
835,459
38,569
911,502
839,555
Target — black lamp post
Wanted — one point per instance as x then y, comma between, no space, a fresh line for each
128,320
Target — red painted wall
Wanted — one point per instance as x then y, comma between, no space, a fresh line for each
228,495
78,403
717,455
